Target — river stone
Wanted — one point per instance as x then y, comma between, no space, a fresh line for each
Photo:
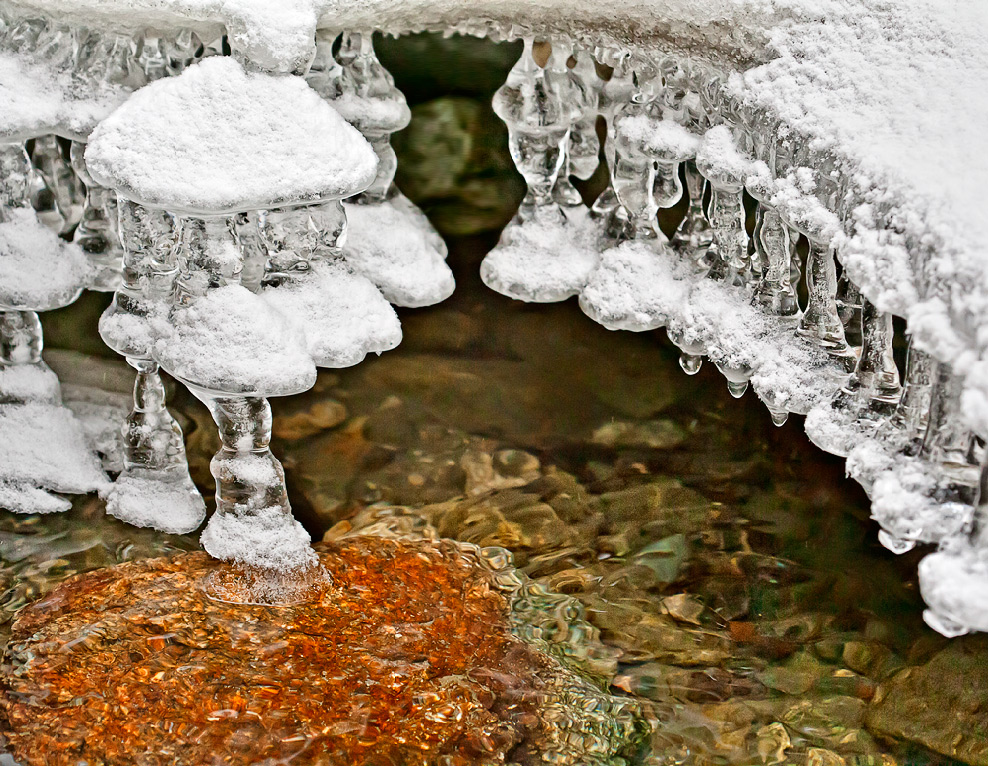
942,705
411,652
453,162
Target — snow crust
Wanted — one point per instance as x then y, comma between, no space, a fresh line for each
342,314
266,538
232,341
218,139
38,271
44,447
635,288
952,582
664,139
174,507
717,157
395,247
39,99
25,498
545,259
29,383
387,115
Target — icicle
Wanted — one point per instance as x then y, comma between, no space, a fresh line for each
96,233
155,488
371,103
583,147
873,388
16,176
21,338
773,246
953,580
948,443
694,236
820,323
151,57
210,256
720,162
633,176
774,291
59,182
290,237
867,397
248,238
544,254
614,94
906,428
414,272
726,216
849,303
534,104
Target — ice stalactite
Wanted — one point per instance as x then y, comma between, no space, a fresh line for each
96,233
390,241
544,254
905,429
614,94
582,154
773,246
954,580
154,489
59,181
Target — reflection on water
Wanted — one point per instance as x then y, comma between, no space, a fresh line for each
671,542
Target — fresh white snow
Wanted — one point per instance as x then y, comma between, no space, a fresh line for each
218,139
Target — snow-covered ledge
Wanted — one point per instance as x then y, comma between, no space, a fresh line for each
896,90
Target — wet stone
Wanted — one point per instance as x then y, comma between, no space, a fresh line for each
453,161
292,422
941,704
651,434
411,652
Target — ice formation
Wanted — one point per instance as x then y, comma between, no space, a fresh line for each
854,125
181,143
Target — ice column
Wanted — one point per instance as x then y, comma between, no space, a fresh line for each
21,339
391,242
583,147
535,104
371,103
873,388
96,233
634,172
949,445
59,181
809,200
155,488
954,580
904,431
614,94
548,251
773,246
721,164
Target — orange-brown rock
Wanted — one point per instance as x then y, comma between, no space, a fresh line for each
408,657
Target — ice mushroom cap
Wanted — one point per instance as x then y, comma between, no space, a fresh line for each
217,140
38,271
